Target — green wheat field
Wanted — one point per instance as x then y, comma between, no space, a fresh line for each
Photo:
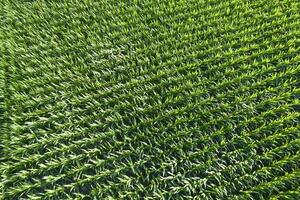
150,99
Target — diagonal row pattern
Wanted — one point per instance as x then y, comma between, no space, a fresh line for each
150,99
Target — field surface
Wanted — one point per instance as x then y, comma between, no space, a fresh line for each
186,99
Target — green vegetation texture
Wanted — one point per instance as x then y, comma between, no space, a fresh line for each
149,99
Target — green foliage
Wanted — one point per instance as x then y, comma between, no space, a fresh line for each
150,99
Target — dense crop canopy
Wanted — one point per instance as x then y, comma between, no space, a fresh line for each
149,99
